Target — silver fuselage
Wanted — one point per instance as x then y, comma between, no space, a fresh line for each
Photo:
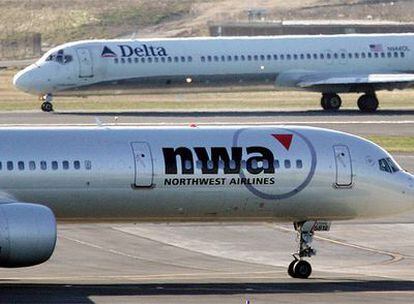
200,173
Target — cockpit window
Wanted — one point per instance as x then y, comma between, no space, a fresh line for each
60,57
388,165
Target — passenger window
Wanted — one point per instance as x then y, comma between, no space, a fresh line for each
43,165
20,165
88,165
182,59
209,58
249,58
308,56
122,60
189,58
277,164
350,55
363,55
143,59
282,57
149,59
129,60
65,165
265,164
315,56
369,55
169,59
136,59
32,165
116,60
321,56
274,57
335,55
343,55
328,56
228,58
10,165
188,165
302,56
402,54
262,57
299,164
175,59
356,55
382,55
288,57
269,57
76,165
203,59
232,164
295,57
1,166
236,58
242,58
389,55
396,54
216,58
156,59
55,165
376,55
255,57
287,164
163,59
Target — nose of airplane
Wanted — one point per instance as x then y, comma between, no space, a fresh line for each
23,80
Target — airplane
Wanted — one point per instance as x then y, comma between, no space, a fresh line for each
361,63
304,175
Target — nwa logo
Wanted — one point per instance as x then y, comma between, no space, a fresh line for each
142,51
232,162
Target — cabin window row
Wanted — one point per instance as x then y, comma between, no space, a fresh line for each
168,59
45,165
307,56
287,164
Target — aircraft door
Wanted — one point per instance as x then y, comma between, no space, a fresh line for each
343,166
85,63
144,170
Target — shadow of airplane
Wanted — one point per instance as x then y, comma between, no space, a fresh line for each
80,293
229,113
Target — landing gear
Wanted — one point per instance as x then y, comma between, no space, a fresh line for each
47,105
299,268
368,103
331,102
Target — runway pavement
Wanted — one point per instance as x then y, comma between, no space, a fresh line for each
385,122
357,261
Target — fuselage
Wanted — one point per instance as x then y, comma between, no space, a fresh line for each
201,173
116,66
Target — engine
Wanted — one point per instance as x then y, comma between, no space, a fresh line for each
27,234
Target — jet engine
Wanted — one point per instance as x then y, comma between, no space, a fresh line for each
27,234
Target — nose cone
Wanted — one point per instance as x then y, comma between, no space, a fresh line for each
25,79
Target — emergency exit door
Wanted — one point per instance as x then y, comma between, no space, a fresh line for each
343,166
144,170
85,63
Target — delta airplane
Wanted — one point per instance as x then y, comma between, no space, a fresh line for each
308,176
327,64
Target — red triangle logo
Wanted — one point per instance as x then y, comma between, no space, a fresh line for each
284,139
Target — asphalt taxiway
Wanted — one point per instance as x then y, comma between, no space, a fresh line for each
357,261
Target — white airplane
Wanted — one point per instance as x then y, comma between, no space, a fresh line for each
326,64
308,176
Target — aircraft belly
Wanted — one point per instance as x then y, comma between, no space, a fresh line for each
182,82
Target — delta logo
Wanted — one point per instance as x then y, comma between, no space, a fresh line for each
108,53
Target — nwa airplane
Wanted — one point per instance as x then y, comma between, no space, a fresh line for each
326,64
308,176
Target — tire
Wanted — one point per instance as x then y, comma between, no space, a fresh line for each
291,269
331,102
302,270
47,107
368,103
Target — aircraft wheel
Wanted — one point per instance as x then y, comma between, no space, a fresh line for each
302,269
47,106
368,103
331,102
291,269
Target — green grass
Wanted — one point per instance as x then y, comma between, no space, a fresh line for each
394,143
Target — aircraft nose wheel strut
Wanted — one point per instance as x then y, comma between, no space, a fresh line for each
299,267
47,105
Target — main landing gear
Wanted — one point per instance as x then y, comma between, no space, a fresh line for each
300,268
367,103
47,105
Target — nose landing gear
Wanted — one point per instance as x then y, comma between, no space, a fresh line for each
300,268
47,105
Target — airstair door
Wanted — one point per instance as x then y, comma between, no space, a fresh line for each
343,166
85,63
144,171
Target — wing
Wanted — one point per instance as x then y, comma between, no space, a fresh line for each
356,83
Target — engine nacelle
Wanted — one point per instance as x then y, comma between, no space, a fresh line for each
27,234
